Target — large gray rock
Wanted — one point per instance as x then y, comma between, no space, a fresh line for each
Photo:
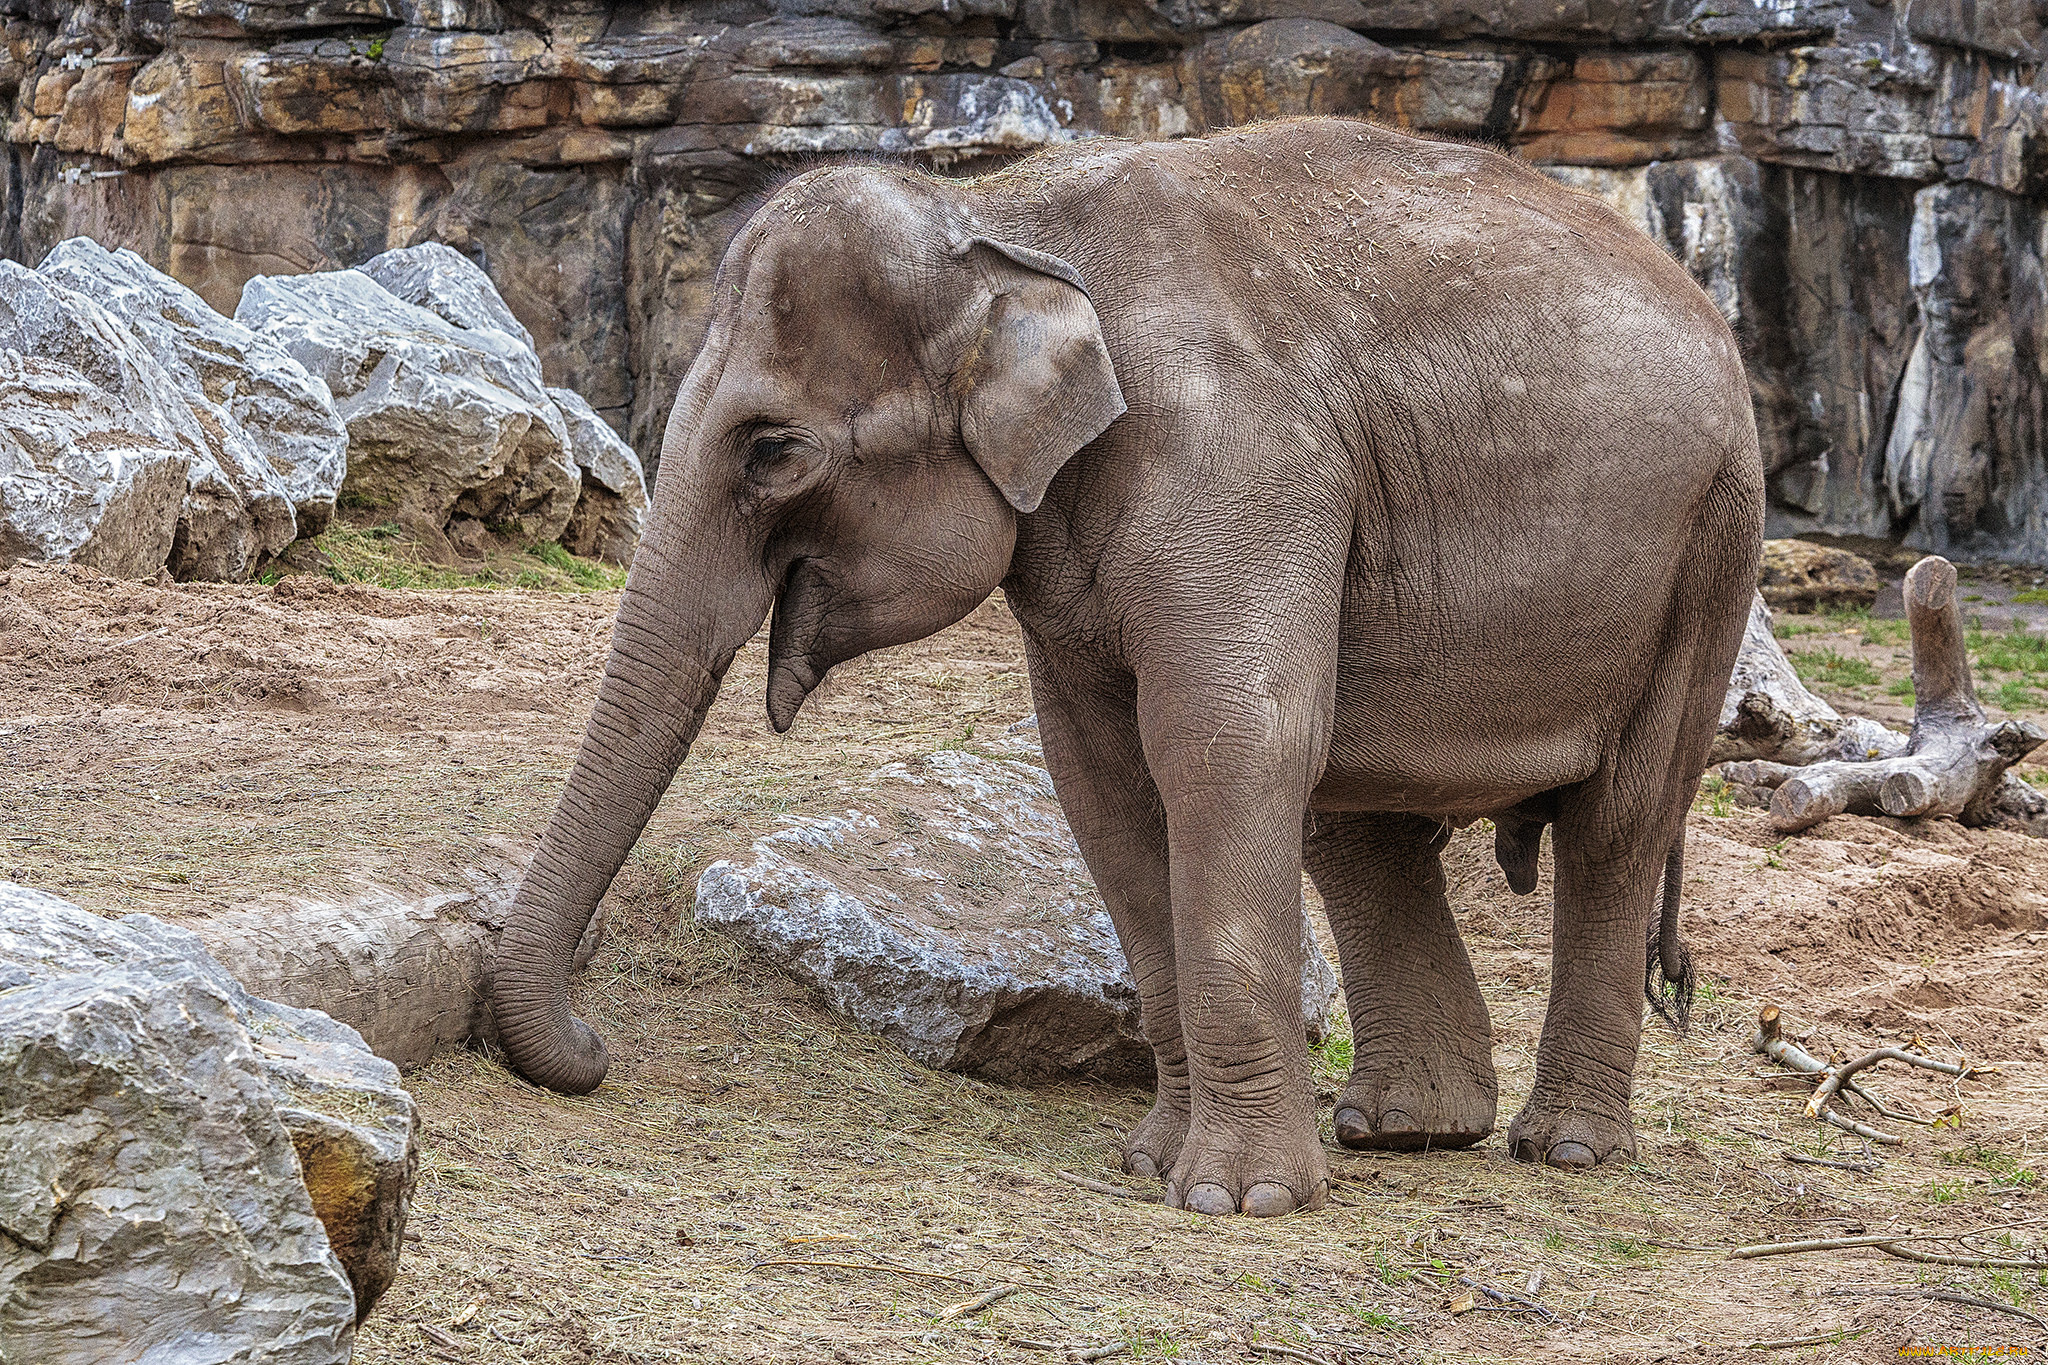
81,478
189,1173
220,535
443,421
443,281
948,910
279,436
613,505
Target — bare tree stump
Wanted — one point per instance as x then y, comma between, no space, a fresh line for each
1955,761
1769,714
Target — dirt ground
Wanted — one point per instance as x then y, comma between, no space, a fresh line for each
757,1182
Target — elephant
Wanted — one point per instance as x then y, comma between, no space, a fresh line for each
1347,487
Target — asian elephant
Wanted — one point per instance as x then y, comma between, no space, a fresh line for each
1347,486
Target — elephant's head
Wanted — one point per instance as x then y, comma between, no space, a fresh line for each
884,387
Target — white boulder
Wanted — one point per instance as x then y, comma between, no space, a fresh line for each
160,1131
221,534
443,281
443,421
612,508
82,475
279,434
949,911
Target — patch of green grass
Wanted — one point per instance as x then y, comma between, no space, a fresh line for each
1831,668
2004,1166
1715,798
1886,633
1630,1249
1388,1272
1335,1054
1378,1319
1792,630
1902,688
2014,695
1946,1191
2031,597
381,555
1152,1346
2017,650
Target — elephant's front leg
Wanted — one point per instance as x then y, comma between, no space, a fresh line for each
1088,723
1235,785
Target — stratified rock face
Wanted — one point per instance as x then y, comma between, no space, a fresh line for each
948,910
277,432
154,1122
221,533
444,421
82,476
613,504
1807,158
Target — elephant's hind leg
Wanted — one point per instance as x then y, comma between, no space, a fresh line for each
1422,1044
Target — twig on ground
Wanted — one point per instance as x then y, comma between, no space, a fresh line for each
1114,1348
1504,1296
1286,1352
861,1265
1818,1339
977,1303
1103,1187
1943,1296
1803,1160
1834,1078
1893,1244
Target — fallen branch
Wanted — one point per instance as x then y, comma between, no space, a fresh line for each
1956,759
1893,1244
862,1265
1839,1077
977,1303
1103,1187
1115,1348
1286,1352
1818,1339
1942,1296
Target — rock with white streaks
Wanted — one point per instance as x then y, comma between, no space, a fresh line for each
443,420
948,910
82,477
183,1167
278,434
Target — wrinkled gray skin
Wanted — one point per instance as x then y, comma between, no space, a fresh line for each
1347,486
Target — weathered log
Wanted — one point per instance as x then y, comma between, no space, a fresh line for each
1953,763
1769,714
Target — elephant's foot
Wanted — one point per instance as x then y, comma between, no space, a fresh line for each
1575,1138
1446,1106
1155,1144
1262,1171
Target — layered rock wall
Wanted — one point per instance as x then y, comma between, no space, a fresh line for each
1860,186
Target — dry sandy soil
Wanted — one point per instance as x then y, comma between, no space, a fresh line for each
757,1182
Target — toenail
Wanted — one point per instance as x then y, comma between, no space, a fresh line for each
1351,1126
1138,1163
1208,1198
1394,1121
1572,1156
1268,1199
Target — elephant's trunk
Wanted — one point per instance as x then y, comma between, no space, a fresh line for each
648,711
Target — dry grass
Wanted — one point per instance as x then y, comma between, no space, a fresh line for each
740,1119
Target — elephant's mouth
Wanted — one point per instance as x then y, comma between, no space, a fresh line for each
795,666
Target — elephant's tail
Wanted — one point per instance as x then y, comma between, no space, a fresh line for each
1667,963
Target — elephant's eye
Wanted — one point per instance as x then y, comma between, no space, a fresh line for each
768,452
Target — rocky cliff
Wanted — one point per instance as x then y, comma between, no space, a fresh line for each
1860,185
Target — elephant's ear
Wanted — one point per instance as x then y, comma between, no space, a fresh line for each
1035,383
